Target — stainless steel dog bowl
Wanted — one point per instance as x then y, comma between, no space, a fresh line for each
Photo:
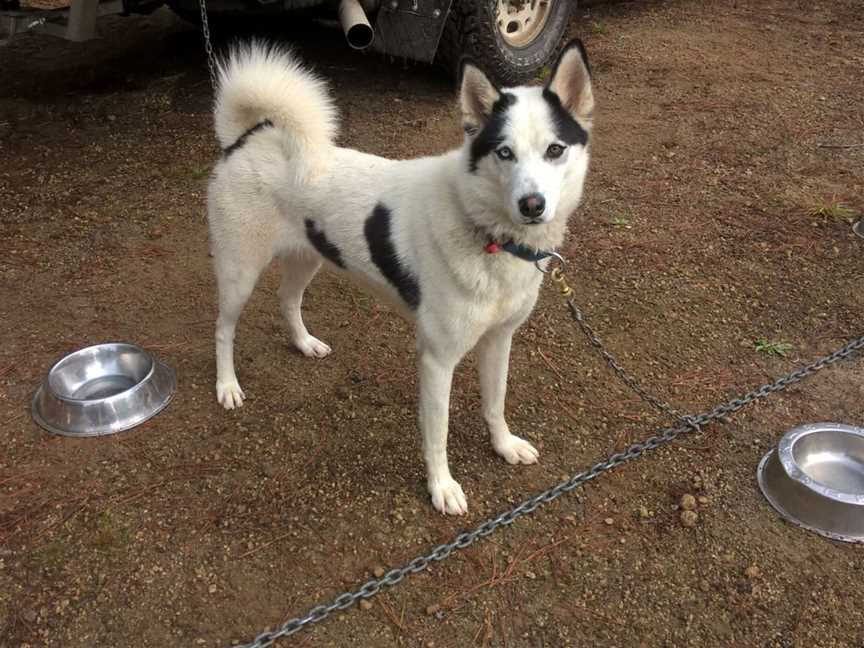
101,390
815,479
858,227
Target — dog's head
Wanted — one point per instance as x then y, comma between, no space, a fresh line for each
530,144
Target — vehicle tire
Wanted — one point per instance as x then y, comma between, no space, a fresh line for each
186,11
511,40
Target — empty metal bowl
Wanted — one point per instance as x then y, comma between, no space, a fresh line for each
815,479
858,228
101,390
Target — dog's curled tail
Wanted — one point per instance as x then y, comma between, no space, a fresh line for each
259,82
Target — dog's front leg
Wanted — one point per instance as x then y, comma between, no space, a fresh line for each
436,376
494,355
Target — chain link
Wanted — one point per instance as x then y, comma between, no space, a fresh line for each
208,45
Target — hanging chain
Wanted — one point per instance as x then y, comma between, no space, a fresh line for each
685,424
557,275
208,45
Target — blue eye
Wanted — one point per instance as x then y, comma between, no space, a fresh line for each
504,153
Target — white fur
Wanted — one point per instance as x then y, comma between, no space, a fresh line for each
254,83
441,217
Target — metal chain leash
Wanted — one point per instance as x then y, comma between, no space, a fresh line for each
208,45
557,275
686,423
692,422
612,363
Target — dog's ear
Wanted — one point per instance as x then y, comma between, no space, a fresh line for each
571,81
477,96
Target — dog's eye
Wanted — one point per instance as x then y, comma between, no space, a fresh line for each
554,151
504,153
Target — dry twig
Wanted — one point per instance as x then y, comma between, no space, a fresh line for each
839,146
399,621
265,545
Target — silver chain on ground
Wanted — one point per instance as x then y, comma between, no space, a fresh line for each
463,540
208,45
619,371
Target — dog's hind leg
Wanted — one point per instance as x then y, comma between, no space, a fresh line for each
236,282
297,271
493,352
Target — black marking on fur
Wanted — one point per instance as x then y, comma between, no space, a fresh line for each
567,128
320,242
381,249
583,53
228,150
489,137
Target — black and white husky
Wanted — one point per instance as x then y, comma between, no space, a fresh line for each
448,240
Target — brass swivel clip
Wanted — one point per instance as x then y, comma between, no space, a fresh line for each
557,273
558,277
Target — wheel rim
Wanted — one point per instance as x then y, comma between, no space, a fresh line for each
520,22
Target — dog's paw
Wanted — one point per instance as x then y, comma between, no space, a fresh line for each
229,394
516,450
447,497
312,347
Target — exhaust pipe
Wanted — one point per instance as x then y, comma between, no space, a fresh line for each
358,31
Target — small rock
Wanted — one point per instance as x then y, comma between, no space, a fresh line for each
644,513
704,501
365,605
688,518
609,521
530,575
688,502
752,572
433,609
379,571
212,589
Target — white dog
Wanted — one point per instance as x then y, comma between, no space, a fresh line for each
449,240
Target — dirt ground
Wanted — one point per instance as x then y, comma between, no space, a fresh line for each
699,237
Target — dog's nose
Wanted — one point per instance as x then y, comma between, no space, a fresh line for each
532,205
